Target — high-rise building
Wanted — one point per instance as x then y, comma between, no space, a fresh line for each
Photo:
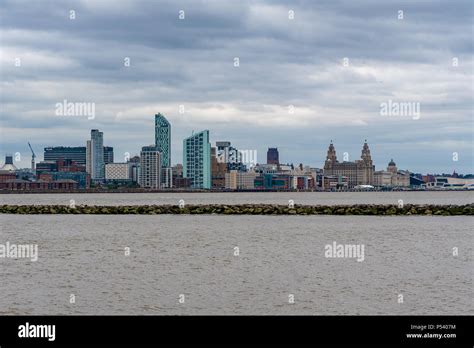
273,156
88,157
218,169
163,142
163,139
134,163
360,172
95,155
197,160
150,167
108,154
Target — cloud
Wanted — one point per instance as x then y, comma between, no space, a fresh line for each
297,63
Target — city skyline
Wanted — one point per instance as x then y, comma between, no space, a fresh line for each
262,156
247,71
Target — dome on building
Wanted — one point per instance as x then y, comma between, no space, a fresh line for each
392,163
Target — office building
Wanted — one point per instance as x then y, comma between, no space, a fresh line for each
76,154
163,142
108,154
118,171
235,180
163,139
218,170
95,164
150,167
197,160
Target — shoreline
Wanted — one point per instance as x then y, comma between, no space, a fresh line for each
245,209
20,192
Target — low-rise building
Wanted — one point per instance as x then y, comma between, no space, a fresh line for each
334,182
235,180
118,171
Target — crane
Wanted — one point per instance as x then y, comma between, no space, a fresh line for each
33,156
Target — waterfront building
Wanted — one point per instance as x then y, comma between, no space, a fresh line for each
59,165
95,154
273,156
382,178
118,171
235,180
150,167
163,139
108,154
163,142
6,175
197,160
272,182
335,182
266,168
75,153
60,180
302,182
218,170
89,156
360,172
392,177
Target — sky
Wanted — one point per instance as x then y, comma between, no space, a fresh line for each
308,72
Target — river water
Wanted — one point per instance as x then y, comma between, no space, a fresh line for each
315,198
278,258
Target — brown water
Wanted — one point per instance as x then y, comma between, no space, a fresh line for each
322,198
279,255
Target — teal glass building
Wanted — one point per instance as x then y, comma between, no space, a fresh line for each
197,160
163,139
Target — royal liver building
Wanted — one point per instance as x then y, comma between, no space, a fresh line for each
360,172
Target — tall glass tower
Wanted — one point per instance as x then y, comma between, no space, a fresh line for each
97,164
197,160
163,139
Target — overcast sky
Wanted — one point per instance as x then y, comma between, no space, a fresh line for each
284,60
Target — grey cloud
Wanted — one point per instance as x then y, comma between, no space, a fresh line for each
282,62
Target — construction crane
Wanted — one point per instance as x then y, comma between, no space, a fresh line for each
33,156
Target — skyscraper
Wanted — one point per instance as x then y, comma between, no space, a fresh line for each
150,167
108,154
163,139
197,160
95,155
273,156
163,142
